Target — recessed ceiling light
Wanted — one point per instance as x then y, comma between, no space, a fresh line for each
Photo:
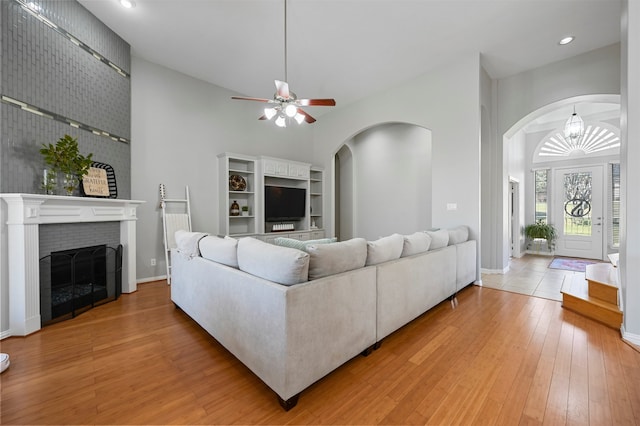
566,40
128,3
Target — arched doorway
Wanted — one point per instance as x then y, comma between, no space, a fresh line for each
383,182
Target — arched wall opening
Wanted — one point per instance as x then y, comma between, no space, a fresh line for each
519,144
383,182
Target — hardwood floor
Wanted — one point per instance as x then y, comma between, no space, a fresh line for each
499,358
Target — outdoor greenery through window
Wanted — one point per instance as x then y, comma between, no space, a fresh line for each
541,179
614,205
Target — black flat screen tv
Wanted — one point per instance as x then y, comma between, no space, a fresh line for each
283,203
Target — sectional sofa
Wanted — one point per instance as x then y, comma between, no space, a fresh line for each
294,312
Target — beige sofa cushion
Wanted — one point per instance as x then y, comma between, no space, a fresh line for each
221,250
439,238
458,235
384,249
282,265
418,242
334,258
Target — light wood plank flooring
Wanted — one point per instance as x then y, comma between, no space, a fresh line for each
499,358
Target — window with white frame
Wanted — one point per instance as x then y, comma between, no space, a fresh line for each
614,206
541,204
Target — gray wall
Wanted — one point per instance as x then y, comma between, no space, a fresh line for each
44,69
392,180
179,125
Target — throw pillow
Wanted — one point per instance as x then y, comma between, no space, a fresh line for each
221,250
384,249
458,235
301,244
330,259
439,239
282,265
187,242
415,243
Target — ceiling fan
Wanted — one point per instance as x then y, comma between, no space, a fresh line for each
285,105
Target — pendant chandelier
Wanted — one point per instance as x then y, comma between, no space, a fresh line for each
574,128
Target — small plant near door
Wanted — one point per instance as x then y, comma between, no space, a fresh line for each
541,230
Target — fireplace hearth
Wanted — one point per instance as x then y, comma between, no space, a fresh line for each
73,281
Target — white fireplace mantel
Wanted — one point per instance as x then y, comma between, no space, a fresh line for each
19,250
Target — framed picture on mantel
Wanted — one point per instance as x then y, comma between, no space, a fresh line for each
100,182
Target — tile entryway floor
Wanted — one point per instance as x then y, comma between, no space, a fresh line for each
530,275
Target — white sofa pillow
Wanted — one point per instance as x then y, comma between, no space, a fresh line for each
187,242
334,258
439,238
458,235
221,250
418,242
282,265
384,249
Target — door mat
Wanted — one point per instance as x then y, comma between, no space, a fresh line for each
570,264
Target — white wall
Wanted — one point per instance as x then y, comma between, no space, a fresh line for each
179,126
630,171
445,101
516,165
393,180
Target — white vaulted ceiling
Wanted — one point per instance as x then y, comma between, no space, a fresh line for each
348,49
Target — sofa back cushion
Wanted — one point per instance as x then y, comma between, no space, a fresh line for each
282,265
439,239
458,235
384,249
334,258
221,250
418,242
301,244
187,242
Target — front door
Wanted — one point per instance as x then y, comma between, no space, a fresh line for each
578,212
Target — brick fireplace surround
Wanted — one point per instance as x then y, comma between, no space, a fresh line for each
19,250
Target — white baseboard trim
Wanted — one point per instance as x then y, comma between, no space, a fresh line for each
5,334
541,253
630,337
150,279
494,271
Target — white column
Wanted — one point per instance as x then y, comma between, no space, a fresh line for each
128,241
24,270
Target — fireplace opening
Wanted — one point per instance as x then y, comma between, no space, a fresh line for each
73,281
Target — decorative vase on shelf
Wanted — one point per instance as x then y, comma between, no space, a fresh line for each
49,182
235,209
70,183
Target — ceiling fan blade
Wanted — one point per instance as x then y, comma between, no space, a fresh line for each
316,102
264,117
309,119
282,89
251,99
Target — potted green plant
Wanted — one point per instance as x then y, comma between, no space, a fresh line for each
245,210
65,157
542,230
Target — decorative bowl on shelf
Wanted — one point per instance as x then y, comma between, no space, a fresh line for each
237,183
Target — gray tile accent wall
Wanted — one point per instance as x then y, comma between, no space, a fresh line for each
42,67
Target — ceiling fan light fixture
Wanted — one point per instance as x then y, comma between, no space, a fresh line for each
299,118
281,121
291,110
270,113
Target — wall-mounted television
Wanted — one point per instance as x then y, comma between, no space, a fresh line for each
283,203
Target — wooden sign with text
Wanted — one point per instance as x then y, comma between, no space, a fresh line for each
95,183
